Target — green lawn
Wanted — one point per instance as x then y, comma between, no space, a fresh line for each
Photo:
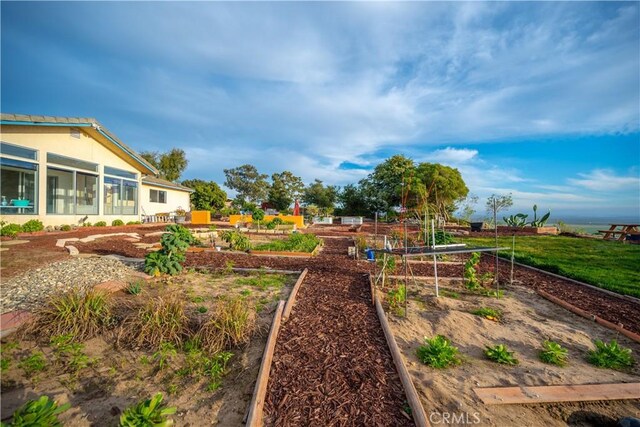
609,265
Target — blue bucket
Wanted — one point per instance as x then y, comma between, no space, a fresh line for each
371,256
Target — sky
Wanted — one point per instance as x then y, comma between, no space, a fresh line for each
537,99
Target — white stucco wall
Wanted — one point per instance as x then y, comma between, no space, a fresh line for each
175,199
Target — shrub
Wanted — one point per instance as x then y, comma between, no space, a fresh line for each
100,224
553,353
159,320
611,355
488,313
83,315
65,227
32,225
133,222
150,412
40,412
231,324
87,224
438,353
470,271
117,222
10,230
500,354
297,242
397,298
236,240
175,242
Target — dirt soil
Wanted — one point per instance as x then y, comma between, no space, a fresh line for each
527,320
121,377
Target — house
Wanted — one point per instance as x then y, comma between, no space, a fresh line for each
70,170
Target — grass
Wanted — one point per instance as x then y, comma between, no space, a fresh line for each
612,355
83,315
396,298
438,353
500,354
609,265
231,325
263,281
488,313
159,320
553,353
294,243
33,364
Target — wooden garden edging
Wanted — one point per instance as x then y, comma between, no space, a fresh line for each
417,410
627,333
292,297
282,253
254,419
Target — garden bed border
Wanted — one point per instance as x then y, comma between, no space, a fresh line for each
292,296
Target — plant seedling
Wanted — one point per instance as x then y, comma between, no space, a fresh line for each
202,309
450,294
500,354
164,354
611,355
438,353
41,412
149,412
5,363
488,313
34,363
134,288
553,353
197,299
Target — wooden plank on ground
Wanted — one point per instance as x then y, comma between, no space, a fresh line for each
558,393
294,293
254,418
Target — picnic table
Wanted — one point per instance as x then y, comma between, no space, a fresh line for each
621,229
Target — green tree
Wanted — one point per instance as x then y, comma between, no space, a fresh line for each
257,216
324,197
383,187
170,165
353,201
207,195
438,186
496,203
250,185
285,188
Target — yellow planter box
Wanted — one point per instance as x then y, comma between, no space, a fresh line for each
200,217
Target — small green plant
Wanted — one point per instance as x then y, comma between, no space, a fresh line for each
612,355
472,281
175,242
86,224
237,241
539,222
450,294
263,281
172,389
228,267
134,288
165,353
500,354
32,226
150,412
33,364
70,354
65,227
10,230
517,220
38,413
133,222
488,313
197,299
117,222
294,243
5,363
553,353
100,224
396,298
438,353
231,324
158,320
389,265
443,238
202,309
245,292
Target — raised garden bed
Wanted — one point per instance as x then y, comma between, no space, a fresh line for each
118,375
525,320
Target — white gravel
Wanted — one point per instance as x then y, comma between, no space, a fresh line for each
34,286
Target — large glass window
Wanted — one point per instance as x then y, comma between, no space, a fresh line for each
120,196
71,192
18,151
18,187
71,162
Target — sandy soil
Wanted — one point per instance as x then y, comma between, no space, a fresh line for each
528,320
100,393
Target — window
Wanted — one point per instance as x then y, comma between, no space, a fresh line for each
108,170
17,151
120,196
158,196
71,192
18,186
71,162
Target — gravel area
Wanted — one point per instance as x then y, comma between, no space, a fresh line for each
30,289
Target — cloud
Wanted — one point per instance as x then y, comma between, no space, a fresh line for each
606,180
450,155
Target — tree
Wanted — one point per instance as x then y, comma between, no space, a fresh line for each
170,165
323,197
257,215
285,188
467,207
439,186
383,187
207,195
353,201
496,203
250,185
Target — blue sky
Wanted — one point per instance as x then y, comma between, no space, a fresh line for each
537,99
